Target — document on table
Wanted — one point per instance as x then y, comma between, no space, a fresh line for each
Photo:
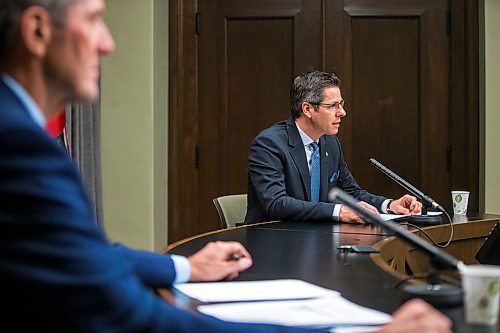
320,312
387,217
401,216
253,290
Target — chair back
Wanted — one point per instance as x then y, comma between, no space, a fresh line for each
231,209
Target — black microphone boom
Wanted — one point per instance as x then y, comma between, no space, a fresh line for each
428,201
439,295
439,258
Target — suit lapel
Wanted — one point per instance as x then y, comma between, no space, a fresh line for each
299,156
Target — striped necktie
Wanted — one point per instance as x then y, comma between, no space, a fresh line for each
315,171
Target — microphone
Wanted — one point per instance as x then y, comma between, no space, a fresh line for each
440,295
407,186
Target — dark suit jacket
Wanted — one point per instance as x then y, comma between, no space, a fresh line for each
58,273
279,180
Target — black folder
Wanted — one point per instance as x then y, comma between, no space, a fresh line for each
489,253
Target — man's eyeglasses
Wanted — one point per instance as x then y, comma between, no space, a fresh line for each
332,106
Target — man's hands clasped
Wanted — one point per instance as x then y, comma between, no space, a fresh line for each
407,205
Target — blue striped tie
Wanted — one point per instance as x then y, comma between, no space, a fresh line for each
315,171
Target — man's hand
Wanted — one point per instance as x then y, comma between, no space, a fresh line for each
346,214
406,205
218,261
417,316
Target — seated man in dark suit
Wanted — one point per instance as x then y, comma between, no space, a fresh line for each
58,273
295,163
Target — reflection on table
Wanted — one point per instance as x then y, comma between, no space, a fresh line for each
309,251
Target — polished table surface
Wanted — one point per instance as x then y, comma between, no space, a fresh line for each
309,251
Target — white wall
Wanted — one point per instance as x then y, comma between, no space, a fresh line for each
134,124
492,106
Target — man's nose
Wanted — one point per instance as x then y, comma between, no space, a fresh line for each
107,43
341,111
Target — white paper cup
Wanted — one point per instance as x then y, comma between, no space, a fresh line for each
481,286
460,200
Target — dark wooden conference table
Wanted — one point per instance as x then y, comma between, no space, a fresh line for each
309,251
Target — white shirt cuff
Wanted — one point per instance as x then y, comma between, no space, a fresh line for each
336,212
182,268
384,207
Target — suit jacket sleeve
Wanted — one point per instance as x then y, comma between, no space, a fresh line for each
155,270
57,270
276,182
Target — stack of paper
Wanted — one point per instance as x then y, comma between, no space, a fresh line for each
284,302
253,290
322,312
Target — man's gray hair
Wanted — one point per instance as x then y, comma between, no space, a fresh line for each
308,87
10,15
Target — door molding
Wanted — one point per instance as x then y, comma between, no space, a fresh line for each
182,103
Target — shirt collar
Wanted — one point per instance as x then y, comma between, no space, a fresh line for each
26,99
306,140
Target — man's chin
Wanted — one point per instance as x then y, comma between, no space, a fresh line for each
86,94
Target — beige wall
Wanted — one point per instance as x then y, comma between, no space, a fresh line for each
134,124
492,106
134,121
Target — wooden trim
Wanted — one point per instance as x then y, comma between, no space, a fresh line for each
173,102
394,253
386,265
182,110
476,159
185,240
464,117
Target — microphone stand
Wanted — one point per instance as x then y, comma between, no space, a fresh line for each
423,219
439,295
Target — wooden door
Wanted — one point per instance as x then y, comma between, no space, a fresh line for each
247,55
394,62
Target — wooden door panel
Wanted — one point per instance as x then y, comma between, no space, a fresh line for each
395,67
255,96
249,53
385,121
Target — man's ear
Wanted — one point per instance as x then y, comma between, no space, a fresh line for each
307,109
36,30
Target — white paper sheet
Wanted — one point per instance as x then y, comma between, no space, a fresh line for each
387,217
253,290
323,312
400,216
